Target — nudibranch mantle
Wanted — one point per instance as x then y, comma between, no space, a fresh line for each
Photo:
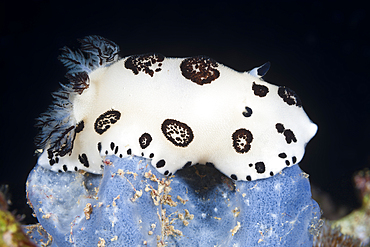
175,111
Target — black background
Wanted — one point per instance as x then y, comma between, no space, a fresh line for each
319,49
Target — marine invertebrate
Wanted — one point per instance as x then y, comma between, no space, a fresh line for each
132,204
204,112
212,135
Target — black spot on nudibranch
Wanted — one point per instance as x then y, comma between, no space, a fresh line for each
177,132
287,162
112,145
248,112
50,154
52,159
242,139
83,159
282,155
80,126
143,63
65,168
259,90
289,96
280,127
260,167
129,151
233,176
99,147
289,135
145,140
248,178
105,120
160,164
294,159
200,69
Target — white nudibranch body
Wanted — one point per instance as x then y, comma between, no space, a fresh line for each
175,111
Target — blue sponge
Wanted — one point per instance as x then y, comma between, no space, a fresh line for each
132,204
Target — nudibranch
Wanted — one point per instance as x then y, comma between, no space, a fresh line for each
177,112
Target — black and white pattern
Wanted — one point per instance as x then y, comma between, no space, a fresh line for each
175,111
